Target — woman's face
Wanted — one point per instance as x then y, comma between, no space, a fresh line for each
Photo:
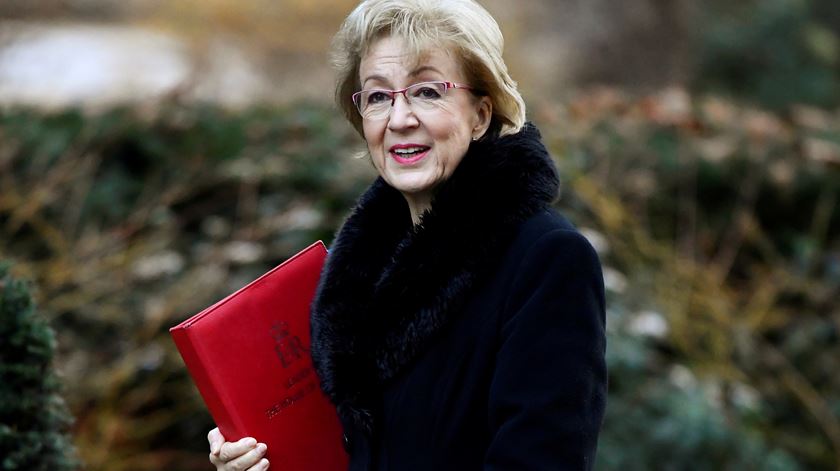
416,149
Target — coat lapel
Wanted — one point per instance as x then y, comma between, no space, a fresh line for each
388,287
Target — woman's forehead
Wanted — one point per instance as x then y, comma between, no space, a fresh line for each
391,55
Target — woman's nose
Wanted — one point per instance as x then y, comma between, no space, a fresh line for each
402,116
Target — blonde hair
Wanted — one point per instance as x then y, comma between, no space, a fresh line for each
464,26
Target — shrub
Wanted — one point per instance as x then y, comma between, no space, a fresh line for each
33,417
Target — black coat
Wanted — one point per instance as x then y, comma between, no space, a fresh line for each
475,340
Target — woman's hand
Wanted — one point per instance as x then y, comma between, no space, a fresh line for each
244,455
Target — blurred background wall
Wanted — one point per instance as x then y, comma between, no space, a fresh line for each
56,53
157,155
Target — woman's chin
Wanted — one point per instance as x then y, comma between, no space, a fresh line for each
409,182
410,187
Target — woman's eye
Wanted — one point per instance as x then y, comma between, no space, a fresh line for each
428,93
377,97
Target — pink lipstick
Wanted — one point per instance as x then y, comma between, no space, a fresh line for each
407,154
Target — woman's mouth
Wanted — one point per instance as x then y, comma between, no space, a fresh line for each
408,154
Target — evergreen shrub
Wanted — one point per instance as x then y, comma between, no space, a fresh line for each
33,416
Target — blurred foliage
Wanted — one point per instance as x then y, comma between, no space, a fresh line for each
776,52
132,220
717,224
33,417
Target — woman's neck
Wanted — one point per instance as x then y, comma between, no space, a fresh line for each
418,203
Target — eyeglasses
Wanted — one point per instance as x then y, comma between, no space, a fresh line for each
376,104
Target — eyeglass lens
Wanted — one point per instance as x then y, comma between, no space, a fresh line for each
376,104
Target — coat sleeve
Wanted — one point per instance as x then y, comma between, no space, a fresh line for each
548,391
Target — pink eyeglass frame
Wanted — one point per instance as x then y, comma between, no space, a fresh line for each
402,91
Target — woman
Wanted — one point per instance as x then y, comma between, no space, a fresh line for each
459,321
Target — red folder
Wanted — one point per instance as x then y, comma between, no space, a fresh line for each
248,354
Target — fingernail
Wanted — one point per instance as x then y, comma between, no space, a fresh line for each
251,442
264,463
261,447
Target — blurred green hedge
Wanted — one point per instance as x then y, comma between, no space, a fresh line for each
720,228
774,52
717,224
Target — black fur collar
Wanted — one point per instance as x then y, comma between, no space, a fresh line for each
388,287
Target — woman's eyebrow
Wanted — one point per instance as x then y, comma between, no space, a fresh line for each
378,78
413,73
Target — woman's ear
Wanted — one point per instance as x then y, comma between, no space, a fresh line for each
484,113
